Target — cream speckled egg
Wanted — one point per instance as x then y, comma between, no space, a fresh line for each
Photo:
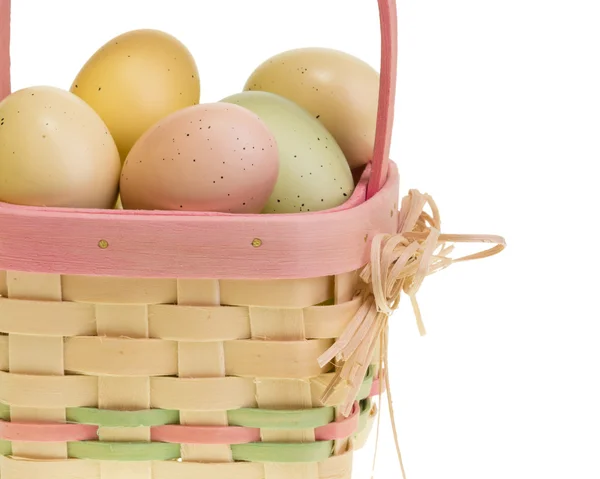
339,89
55,151
137,79
210,157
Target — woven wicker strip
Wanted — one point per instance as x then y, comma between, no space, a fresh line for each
333,468
176,323
71,433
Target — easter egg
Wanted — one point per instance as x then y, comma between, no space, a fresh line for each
137,79
313,172
339,89
210,157
55,151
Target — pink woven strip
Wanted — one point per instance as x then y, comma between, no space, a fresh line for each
216,246
175,434
178,434
375,389
43,432
341,429
387,95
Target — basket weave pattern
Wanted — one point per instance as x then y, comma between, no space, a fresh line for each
162,378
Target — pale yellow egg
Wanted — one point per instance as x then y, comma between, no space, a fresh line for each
137,79
338,89
55,151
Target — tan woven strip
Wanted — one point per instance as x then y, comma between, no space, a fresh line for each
195,292
45,318
207,394
121,321
41,287
273,324
125,470
202,360
345,289
173,322
320,384
287,326
264,358
154,357
3,288
109,290
290,293
120,393
190,470
181,323
121,356
3,353
292,471
36,355
329,321
48,391
339,467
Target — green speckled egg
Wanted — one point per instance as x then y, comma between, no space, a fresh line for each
313,172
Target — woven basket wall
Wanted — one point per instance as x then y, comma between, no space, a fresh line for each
106,373
139,362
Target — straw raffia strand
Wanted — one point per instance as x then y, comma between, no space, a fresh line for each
399,264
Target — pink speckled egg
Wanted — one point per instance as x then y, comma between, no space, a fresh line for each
210,157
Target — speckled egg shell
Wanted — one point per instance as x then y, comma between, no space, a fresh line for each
55,151
313,174
136,80
211,157
339,89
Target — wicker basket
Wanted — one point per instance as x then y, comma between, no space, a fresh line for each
155,345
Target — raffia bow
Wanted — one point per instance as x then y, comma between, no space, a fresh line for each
399,263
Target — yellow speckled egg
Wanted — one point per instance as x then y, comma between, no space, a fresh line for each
55,151
210,157
339,89
137,79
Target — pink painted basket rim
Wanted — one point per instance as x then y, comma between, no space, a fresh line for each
215,246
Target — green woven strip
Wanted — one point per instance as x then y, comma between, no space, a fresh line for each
156,451
365,390
365,409
246,417
5,448
255,452
276,452
271,419
4,412
106,418
123,451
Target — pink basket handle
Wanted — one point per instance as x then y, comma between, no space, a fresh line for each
387,89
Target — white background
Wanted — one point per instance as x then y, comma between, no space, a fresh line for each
498,117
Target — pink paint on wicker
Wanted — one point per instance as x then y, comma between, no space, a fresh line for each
197,245
4,48
175,433
378,388
340,429
43,432
151,245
